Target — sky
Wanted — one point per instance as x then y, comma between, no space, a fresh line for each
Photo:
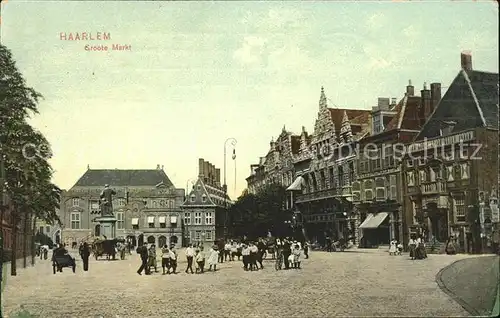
199,73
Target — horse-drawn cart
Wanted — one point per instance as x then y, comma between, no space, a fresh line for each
105,247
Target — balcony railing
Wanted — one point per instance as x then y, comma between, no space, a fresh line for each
433,187
319,195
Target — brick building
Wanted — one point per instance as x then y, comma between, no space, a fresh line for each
378,190
446,185
205,207
147,206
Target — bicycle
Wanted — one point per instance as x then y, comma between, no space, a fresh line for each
279,260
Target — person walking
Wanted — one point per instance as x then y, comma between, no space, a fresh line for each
173,260
306,250
165,259
142,250
189,258
200,261
85,254
213,258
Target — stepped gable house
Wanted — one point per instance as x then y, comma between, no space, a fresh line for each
147,206
377,191
277,165
448,189
205,207
325,168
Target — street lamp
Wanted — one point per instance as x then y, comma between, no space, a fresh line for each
233,143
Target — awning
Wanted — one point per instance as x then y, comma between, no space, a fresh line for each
151,219
173,219
296,185
162,219
373,221
135,221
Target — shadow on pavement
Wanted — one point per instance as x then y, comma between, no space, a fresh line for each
472,282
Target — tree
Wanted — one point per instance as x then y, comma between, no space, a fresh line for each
253,215
25,152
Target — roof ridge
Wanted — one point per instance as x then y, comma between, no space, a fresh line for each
467,79
402,113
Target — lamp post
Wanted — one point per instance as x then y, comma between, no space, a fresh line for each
233,143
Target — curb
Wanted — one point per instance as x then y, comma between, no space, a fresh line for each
459,300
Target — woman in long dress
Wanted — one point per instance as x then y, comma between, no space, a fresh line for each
213,257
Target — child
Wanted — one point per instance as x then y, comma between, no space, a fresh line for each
200,261
165,259
400,249
173,261
392,248
213,257
245,253
296,256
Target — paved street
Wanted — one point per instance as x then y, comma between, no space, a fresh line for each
473,283
354,283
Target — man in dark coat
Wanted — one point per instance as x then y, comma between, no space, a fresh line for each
142,250
85,254
287,250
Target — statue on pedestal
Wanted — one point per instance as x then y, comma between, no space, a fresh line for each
107,201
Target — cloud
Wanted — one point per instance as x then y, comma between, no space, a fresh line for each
251,50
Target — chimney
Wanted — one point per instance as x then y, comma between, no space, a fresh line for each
435,95
201,167
383,103
212,174
158,167
425,105
217,176
206,170
394,101
410,90
466,59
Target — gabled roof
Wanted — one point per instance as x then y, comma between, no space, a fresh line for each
123,177
471,101
407,116
205,195
337,115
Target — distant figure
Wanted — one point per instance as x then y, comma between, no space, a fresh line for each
393,248
142,250
85,254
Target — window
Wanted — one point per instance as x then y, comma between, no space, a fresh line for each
465,170
163,225
197,218
340,176
457,171
410,179
121,202
432,174
380,189
197,235
208,235
47,229
198,188
204,198
332,178
155,204
75,220
209,218
76,201
40,229
393,187
356,191
120,223
389,156
409,163
323,179
193,198
351,172
422,175
459,203
151,222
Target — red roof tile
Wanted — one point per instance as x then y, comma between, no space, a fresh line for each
338,114
406,114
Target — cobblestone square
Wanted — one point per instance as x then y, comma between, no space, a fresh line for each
353,283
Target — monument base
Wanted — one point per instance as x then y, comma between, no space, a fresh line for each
107,225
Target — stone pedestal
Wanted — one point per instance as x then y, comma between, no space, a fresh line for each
107,226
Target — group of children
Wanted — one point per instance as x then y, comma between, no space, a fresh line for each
168,260
251,256
395,248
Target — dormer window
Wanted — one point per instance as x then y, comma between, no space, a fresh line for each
447,127
204,198
193,198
